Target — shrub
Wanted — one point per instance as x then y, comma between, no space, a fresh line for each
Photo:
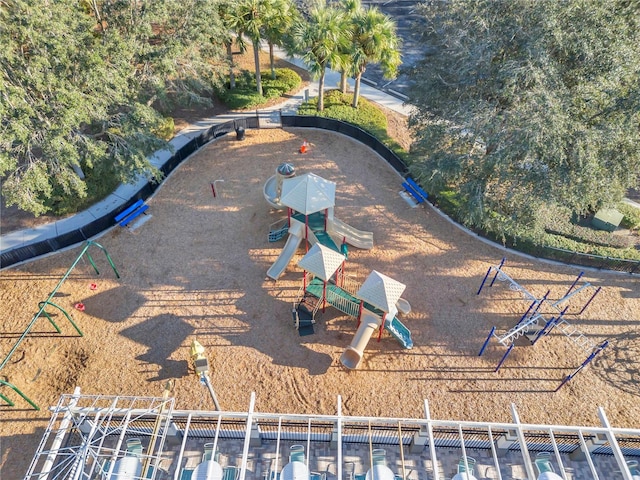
100,181
166,130
368,116
559,221
286,80
244,95
631,218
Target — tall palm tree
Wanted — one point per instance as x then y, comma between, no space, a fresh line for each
250,17
281,16
375,41
351,8
319,40
228,17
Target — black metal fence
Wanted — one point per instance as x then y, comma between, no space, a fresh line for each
593,261
301,121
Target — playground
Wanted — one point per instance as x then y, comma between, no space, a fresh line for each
197,269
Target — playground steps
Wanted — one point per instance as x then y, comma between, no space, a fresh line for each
303,319
279,234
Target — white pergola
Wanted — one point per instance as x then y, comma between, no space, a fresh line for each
87,430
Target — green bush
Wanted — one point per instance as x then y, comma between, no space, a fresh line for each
337,105
166,130
368,116
244,95
286,80
559,232
559,241
99,181
560,221
631,218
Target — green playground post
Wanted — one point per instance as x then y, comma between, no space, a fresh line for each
65,314
17,390
113,266
7,401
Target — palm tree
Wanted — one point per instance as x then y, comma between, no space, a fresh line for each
279,19
320,40
351,8
228,17
249,20
375,41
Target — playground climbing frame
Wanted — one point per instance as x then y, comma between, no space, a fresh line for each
534,325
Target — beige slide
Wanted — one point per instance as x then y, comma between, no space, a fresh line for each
352,356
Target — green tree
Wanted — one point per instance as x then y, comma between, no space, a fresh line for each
65,104
319,40
250,20
351,8
80,84
280,18
522,103
227,17
177,48
374,41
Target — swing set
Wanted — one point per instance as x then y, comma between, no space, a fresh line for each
42,311
533,325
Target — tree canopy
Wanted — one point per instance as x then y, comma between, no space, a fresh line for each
521,103
321,39
81,85
374,40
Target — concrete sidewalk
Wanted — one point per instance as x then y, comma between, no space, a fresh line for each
290,106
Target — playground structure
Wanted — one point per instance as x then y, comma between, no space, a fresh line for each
42,311
273,186
310,201
374,304
533,325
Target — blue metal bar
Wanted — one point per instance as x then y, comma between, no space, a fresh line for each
589,359
527,312
486,342
504,259
541,302
590,300
542,331
484,280
574,283
504,357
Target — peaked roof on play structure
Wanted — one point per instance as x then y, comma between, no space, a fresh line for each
308,193
321,261
381,291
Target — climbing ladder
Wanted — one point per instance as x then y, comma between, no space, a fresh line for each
278,230
304,311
